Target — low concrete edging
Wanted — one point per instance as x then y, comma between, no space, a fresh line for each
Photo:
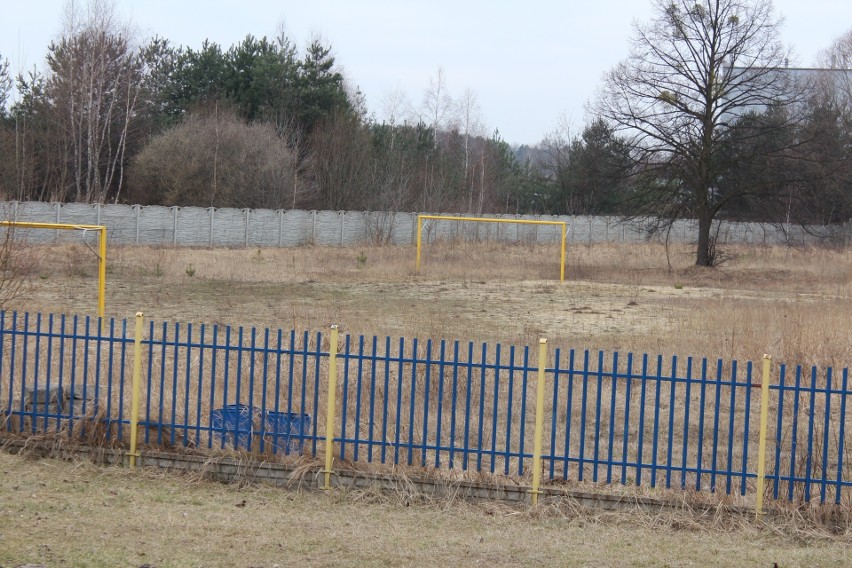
298,475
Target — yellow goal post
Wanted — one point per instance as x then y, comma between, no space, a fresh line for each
562,224
102,234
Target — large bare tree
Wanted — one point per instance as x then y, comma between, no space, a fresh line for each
693,72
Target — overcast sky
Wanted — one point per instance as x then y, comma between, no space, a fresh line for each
530,63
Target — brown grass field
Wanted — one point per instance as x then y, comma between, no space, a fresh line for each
61,514
790,303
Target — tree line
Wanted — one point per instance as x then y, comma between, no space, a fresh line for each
702,120
258,124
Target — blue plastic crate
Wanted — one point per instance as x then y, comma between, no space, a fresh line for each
287,431
233,423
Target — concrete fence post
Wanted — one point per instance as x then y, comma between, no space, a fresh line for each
174,225
138,214
212,222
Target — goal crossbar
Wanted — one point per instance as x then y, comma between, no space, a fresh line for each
101,230
563,224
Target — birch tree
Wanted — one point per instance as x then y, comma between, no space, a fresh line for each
437,103
469,117
93,87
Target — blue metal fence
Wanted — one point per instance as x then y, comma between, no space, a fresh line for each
63,373
609,417
243,379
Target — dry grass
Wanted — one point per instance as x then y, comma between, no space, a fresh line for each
146,517
791,303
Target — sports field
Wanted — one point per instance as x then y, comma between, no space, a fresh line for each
791,303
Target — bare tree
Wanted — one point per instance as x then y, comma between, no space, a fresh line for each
17,263
7,138
839,54
94,87
5,85
396,108
341,148
301,159
836,86
396,111
437,102
469,117
556,150
693,71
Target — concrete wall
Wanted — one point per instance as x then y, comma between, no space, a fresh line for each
197,226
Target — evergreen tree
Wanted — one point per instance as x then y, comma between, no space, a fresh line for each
320,88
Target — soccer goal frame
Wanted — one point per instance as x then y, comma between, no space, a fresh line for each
102,234
562,224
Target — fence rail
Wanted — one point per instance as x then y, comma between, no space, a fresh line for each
631,419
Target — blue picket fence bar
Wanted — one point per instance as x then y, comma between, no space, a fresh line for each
651,421
632,419
440,405
197,373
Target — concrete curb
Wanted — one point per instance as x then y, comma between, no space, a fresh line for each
300,475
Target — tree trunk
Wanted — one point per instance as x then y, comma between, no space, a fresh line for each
703,256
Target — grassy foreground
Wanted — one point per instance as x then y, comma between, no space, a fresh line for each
76,514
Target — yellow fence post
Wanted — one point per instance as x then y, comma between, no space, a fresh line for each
137,375
539,422
332,401
761,451
562,253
